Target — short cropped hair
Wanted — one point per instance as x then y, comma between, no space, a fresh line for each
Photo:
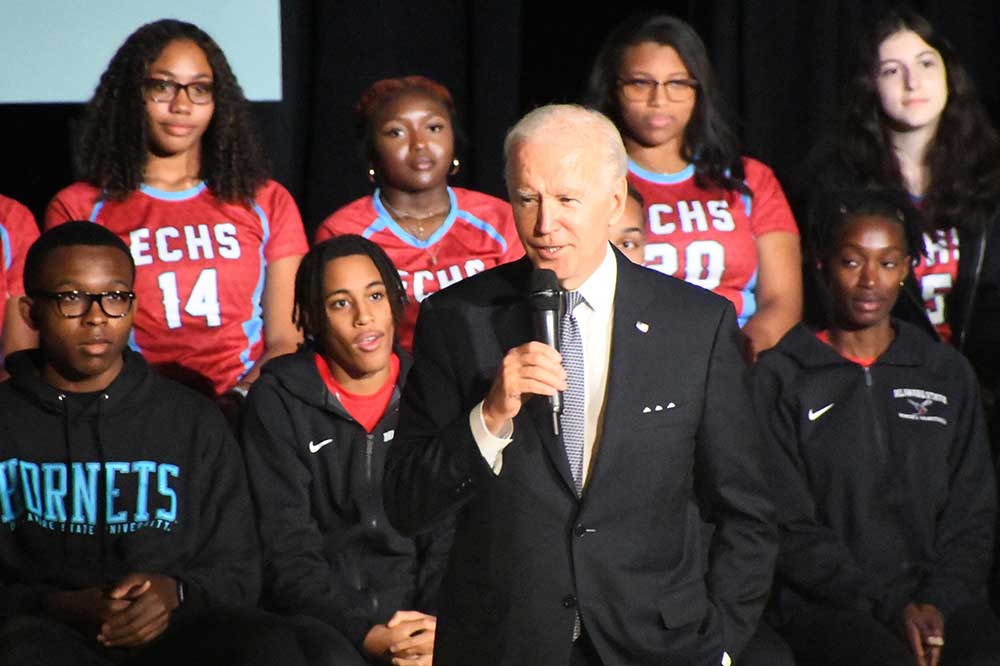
592,127
70,234
309,313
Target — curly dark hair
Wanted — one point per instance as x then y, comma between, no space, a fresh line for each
310,304
963,158
709,141
113,143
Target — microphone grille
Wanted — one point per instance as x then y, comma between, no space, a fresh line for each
543,279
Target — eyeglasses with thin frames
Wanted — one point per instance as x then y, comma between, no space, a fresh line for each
165,90
73,304
641,89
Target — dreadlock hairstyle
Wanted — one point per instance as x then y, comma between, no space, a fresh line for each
70,234
963,158
113,143
309,313
384,91
709,142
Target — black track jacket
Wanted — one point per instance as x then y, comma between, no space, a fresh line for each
883,477
316,479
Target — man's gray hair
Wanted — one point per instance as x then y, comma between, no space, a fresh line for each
593,129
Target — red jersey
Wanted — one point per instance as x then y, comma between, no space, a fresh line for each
200,270
17,232
937,273
479,233
707,236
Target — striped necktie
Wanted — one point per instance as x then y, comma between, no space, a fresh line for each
573,419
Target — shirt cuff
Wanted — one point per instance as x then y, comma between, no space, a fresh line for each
726,661
490,446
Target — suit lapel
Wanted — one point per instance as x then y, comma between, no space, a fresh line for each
629,358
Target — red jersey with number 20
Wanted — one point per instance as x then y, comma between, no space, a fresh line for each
17,232
200,271
479,233
707,236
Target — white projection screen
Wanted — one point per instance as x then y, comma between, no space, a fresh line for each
54,51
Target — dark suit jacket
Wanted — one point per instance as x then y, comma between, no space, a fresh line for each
667,556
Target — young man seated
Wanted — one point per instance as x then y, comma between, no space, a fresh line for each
127,530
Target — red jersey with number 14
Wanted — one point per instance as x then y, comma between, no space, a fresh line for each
708,236
200,271
17,232
479,233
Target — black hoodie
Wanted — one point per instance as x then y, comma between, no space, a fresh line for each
141,477
316,478
882,475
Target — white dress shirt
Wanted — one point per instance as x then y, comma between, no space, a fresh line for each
595,317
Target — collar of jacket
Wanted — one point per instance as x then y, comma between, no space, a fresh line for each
802,345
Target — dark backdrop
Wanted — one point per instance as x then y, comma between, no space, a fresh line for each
779,64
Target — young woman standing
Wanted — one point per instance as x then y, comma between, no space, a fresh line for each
169,160
714,218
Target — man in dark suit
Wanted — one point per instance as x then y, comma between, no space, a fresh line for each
642,533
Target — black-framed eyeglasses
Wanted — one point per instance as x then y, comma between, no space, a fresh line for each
641,89
72,304
165,90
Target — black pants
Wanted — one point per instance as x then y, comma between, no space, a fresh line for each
821,637
249,638
766,648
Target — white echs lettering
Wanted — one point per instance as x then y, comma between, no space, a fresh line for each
426,282
172,244
941,248
656,223
692,217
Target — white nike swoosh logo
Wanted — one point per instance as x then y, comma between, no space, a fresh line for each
813,415
313,448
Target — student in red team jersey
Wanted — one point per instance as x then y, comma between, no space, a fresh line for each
915,124
713,218
317,428
435,235
169,161
17,232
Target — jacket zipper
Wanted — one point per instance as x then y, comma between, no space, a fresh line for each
880,449
369,452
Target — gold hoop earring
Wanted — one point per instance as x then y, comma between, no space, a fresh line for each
455,166
371,175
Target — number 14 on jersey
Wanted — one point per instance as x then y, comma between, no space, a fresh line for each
202,302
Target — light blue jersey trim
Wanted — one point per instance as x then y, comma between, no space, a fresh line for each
385,221
747,203
6,247
253,327
485,227
180,195
662,178
749,300
96,210
132,343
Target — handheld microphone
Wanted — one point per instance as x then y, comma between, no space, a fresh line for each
545,296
